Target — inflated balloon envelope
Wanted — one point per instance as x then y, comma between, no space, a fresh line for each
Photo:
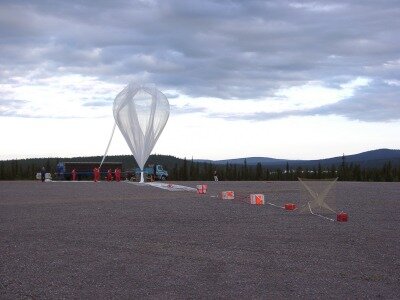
141,113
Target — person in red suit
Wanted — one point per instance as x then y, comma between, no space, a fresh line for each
117,174
73,173
109,175
96,174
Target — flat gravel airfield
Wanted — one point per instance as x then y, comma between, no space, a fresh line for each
123,240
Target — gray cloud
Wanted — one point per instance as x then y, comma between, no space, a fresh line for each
97,102
186,109
10,107
226,49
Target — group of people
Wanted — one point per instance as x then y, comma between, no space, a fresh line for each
116,175
110,175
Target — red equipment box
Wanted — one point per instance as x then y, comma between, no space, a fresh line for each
342,217
290,206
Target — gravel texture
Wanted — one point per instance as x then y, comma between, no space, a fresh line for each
123,240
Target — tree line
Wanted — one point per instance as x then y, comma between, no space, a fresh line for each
191,170
185,170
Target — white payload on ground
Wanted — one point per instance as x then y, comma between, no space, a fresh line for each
141,113
47,176
318,198
172,187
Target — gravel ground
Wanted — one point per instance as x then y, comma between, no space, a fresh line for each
122,240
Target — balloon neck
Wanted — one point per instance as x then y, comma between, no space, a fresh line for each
141,177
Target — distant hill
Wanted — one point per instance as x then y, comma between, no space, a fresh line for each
249,161
373,158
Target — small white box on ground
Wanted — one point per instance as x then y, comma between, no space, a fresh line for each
228,195
201,188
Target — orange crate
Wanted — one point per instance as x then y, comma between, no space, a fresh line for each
257,199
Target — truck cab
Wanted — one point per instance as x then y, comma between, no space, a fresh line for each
161,174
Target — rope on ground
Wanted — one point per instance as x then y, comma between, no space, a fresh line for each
270,203
318,215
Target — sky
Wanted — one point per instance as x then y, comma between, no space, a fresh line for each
281,79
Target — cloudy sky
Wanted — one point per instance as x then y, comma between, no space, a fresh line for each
283,79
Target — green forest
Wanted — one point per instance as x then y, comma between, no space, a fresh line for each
183,169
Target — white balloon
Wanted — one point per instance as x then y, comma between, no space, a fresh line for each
141,113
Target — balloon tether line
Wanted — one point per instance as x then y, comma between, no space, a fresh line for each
108,146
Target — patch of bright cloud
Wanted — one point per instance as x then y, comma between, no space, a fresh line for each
393,82
68,96
316,7
298,98
315,94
